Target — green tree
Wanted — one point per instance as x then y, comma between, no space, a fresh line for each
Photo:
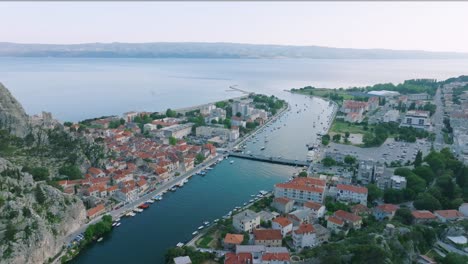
72,171
328,162
418,159
40,195
347,134
302,174
199,158
453,258
425,172
40,173
172,140
337,137
238,114
373,193
68,124
159,126
350,159
404,216
171,113
214,121
426,201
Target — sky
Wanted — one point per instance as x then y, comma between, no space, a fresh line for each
431,26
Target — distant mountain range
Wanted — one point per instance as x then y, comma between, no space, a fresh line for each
210,50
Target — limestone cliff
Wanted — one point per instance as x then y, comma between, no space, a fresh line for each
13,118
34,217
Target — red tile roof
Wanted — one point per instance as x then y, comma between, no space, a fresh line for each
282,200
360,208
304,184
240,258
282,221
276,257
387,208
95,210
423,214
448,214
335,220
346,216
351,188
233,239
267,234
313,205
304,228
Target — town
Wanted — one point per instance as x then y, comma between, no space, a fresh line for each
385,171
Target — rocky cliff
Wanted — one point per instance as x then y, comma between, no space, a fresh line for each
13,118
34,217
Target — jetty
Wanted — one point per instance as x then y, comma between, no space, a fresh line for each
274,160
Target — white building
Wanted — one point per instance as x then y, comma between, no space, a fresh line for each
149,127
391,116
304,236
223,133
416,119
318,210
397,182
178,131
206,109
463,209
302,189
283,224
246,221
351,193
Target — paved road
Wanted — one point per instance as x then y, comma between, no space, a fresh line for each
438,121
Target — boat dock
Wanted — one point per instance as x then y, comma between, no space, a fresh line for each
269,159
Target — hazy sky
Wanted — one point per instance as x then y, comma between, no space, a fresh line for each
434,26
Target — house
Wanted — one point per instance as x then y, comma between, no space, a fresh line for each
238,258
246,221
354,117
95,211
318,210
463,208
300,216
276,258
255,250
127,194
112,190
416,119
283,224
335,224
391,116
360,209
351,193
352,220
373,103
232,240
268,237
283,204
423,216
182,260
237,121
96,173
322,233
385,211
448,215
266,216
304,236
397,182
351,106
142,185
302,189
177,131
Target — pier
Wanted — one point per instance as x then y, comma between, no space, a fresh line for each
274,160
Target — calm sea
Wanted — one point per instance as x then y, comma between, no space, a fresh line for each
74,89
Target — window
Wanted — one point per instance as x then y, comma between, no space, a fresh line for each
408,120
421,122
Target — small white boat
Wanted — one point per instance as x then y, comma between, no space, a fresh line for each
117,225
99,239
216,220
113,224
200,227
206,223
180,244
195,233
231,161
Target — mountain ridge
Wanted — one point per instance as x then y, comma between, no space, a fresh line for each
211,50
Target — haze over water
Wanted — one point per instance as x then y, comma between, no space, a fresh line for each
76,88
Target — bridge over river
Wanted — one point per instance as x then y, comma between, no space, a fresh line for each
277,160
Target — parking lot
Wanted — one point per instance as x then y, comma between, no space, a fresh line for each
390,151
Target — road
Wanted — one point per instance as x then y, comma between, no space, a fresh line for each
438,121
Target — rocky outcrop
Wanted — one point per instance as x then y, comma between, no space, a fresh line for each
35,218
13,118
